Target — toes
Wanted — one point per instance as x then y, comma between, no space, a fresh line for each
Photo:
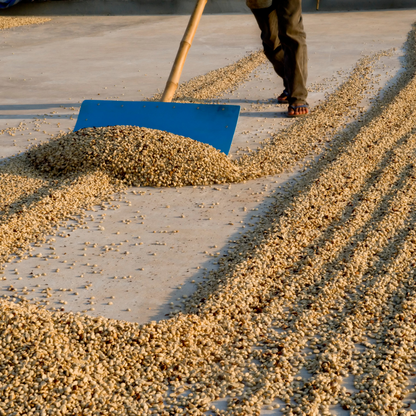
298,111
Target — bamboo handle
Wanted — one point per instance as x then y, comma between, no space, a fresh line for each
317,4
188,37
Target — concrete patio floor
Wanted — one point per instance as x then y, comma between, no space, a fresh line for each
47,71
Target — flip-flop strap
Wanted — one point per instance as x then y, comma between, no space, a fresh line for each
283,95
295,107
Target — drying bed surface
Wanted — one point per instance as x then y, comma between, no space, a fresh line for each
10,22
324,284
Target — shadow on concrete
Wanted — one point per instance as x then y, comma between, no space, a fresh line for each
340,144
6,111
280,112
20,107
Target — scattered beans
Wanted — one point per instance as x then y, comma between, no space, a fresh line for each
7,22
325,282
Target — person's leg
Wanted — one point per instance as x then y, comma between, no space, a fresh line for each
265,13
293,39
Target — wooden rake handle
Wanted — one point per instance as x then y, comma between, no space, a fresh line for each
188,37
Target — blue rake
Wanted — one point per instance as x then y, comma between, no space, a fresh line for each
210,124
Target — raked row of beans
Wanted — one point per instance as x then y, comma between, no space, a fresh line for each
324,284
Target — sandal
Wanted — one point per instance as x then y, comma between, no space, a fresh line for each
283,98
295,107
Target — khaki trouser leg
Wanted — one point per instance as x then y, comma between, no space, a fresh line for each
284,42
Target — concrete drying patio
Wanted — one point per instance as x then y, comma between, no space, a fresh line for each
47,71
140,7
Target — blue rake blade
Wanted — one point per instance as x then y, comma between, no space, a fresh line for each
207,123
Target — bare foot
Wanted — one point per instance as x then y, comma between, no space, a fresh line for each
298,110
283,98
